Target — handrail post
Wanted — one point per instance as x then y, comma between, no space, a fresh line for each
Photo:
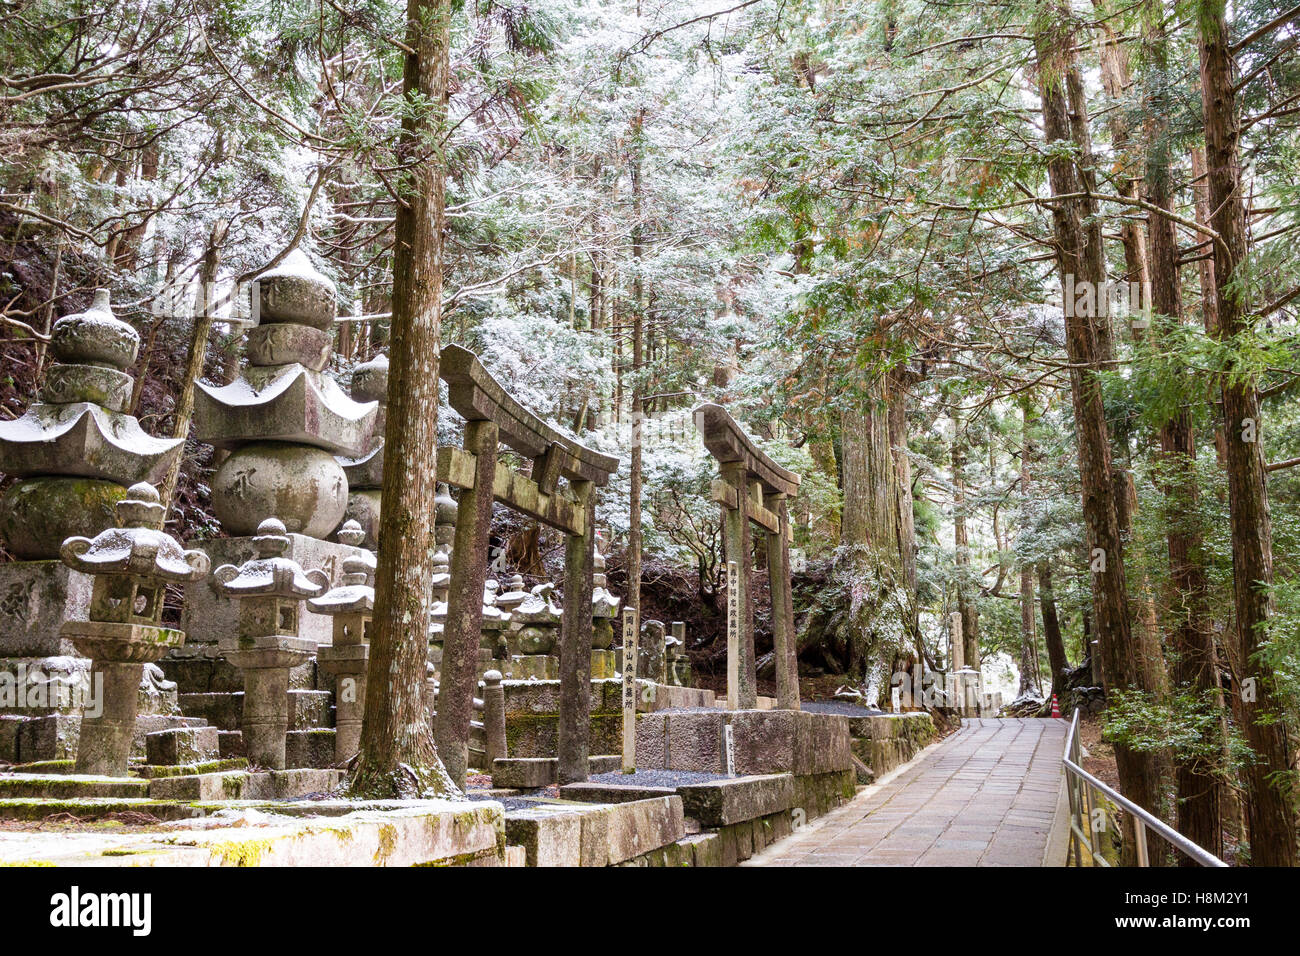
1140,831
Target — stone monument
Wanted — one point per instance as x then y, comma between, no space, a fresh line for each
283,422
74,452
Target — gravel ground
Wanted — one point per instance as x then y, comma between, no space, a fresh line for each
511,803
840,707
656,778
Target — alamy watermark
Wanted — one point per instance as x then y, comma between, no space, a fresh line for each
26,688
1084,299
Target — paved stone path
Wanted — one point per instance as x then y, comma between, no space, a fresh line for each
989,795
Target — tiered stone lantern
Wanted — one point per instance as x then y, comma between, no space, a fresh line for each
131,567
76,449
283,421
365,474
352,605
74,453
268,589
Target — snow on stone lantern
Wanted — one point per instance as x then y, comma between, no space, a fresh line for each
533,632
268,588
352,605
283,421
77,449
130,566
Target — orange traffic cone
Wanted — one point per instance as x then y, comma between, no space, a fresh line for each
1056,708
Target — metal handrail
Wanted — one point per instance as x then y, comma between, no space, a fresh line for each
1082,804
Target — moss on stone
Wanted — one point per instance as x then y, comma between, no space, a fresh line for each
242,853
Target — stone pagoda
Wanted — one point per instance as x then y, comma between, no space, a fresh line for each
131,566
74,452
268,589
283,422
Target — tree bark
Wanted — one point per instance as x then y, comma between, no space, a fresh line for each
1271,813
970,626
1194,670
398,757
1056,658
1123,665
198,351
868,560
1029,678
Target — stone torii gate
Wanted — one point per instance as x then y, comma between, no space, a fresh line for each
752,488
493,417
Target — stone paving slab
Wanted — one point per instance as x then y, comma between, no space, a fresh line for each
989,795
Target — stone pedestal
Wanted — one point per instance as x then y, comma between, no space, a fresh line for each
265,662
604,665
210,617
36,597
118,652
347,665
533,667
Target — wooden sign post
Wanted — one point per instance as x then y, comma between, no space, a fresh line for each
631,630
733,636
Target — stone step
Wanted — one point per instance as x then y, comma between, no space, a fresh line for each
181,746
243,785
94,808
57,787
307,708
153,772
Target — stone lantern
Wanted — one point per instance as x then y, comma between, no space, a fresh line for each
268,589
604,610
352,605
130,567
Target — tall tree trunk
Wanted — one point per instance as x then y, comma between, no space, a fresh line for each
1123,664
398,757
868,560
1029,677
1271,813
633,599
1056,658
970,636
198,351
905,529
1198,788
